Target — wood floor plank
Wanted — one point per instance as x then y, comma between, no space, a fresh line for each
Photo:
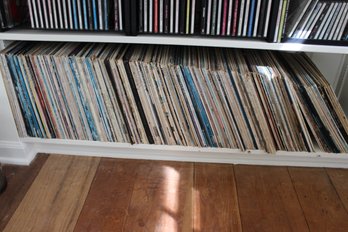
339,178
55,199
19,179
267,199
215,199
161,198
320,202
106,205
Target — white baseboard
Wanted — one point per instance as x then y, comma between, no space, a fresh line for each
23,152
15,153
180,153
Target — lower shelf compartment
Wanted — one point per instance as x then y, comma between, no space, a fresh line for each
180,153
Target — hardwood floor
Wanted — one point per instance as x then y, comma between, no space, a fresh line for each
19,180
71,193
215,198
267,199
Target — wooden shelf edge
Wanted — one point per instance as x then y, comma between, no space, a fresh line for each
185,154
112,37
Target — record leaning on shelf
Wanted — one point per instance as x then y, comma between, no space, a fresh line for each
319,21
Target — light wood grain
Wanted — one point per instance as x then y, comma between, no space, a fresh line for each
19,180
320,202
55,199
215,199
107,203
339,179
267,199
161,198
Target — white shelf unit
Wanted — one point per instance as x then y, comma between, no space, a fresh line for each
22,150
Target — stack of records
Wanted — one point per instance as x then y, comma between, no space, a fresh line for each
189,96
70,14
242,18
167,16
277,24
319,20
12,13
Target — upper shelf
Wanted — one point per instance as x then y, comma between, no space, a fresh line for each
111,37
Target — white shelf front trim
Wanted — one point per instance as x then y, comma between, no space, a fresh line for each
181,153
112,37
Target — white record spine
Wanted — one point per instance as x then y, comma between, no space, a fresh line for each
333,30
71,21
193,16
218,26
229,18
50,3
100,12
257,16
42,25
171,29
145,16
80,13
246,17
161,16
177,16
268,15
324,21
241,14
342,24
120,14
208,17
31,14
150,15
54,9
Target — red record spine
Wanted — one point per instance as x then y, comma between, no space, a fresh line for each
224,18
155,12
235,18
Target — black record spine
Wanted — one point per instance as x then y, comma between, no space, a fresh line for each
130,17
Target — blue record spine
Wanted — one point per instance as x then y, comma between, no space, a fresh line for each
101,107
106,15
84,103
85,14
251,18
95,14
27,104
20,96
208,132
75,15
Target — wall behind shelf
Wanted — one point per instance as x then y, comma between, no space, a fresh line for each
335,69
343,96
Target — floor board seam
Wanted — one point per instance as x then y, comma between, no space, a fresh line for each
236,186
334,187
298,199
